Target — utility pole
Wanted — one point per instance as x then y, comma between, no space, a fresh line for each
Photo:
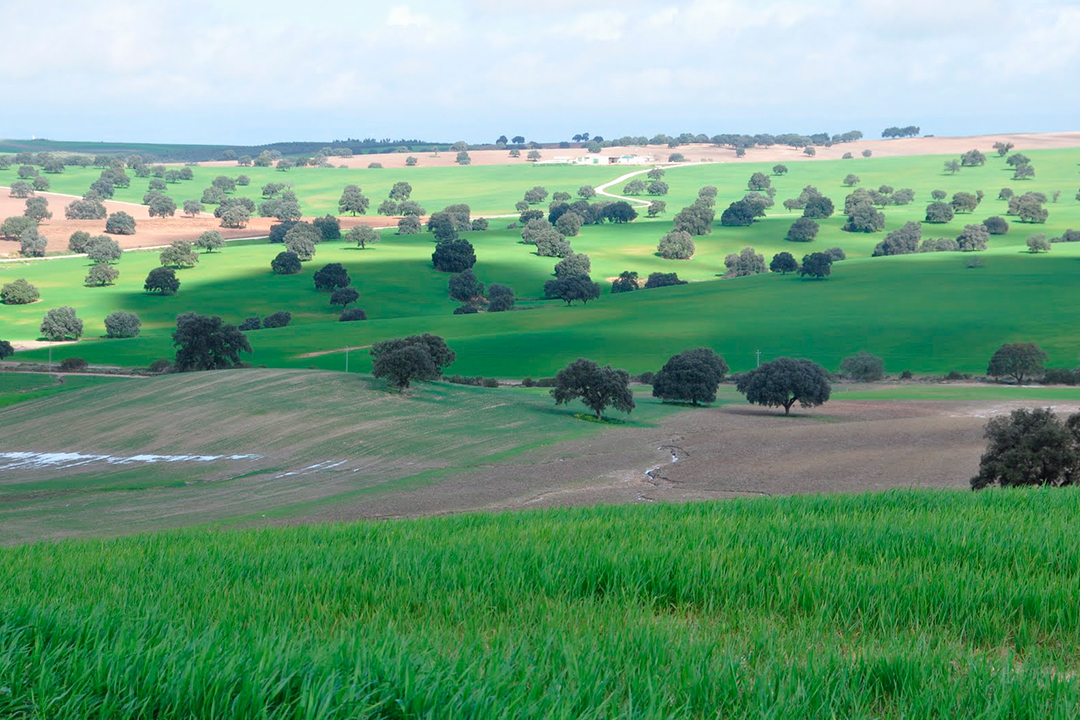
758,352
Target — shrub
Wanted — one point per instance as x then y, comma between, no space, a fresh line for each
353,314
658,279
626,282
160,366
19,292
746,262
278,319
73,364
863,367
122,324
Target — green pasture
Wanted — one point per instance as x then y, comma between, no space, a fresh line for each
17,387
486,188
896,605
927,313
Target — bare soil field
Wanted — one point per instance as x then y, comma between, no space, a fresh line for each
288,446
707,152
729,451
149,232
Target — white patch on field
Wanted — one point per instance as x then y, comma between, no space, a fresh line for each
21,460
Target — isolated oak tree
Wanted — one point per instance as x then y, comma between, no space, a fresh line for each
802,230
103,249
362,236
204,342
162,280
784,382
597,387
331,276
210,241
61,323
453,256
286,263
816,265
691,376
122,324
569,288
354,202
180,255
101,275
120,223
1018,361
783,262
500,298
676,245
465,287
405,360
344,297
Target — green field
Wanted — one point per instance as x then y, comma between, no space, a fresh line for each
897,605
927,313
486,188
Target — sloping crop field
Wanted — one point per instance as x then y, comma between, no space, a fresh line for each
243,445
896,605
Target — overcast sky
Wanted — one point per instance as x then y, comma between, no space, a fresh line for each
255,71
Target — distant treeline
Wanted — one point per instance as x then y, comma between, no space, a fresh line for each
153,152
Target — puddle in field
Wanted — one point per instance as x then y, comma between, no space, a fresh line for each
31,460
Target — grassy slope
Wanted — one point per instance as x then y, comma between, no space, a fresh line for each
926,313
293,420
907,604
487,188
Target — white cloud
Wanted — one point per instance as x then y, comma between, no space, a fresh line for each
403,16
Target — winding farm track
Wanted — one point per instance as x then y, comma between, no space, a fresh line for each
602,189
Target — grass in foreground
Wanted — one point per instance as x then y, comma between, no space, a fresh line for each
900,605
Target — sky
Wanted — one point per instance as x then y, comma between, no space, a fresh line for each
257,71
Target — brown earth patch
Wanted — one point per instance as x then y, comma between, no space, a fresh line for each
149,232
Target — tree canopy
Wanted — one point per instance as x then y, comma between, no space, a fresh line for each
405,360
1030,447
785,381
597,387
204,342
691,376
1017,360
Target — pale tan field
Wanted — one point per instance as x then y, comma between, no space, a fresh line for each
149,232
701,153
